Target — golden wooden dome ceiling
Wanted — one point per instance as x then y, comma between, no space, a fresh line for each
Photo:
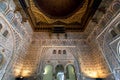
74,15
58,8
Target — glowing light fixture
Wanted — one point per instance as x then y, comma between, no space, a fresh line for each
26,73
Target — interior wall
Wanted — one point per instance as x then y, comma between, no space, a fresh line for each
43,46
17,49
15,36
106,36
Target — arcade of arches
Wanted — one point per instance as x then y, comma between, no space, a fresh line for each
59,39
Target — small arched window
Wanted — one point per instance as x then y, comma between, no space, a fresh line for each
5,34
64,51
59,51
54,51
0,26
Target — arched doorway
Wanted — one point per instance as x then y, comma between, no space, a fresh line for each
59,75
48,72
70,72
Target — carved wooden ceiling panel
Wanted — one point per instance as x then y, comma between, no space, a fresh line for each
70,12
59,8
41,17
